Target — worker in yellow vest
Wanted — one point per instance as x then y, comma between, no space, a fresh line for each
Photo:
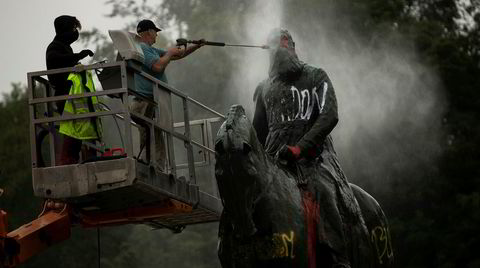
79,129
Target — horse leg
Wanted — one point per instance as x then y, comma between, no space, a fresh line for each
225,242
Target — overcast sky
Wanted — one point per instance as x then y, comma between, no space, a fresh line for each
28,26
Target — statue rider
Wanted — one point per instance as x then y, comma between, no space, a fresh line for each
295,111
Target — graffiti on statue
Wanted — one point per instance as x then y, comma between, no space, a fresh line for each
275,246
300,103
380,236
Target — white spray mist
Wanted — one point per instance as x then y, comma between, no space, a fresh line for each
262,16
390,105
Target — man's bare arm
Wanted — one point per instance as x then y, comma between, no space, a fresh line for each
162,62
188,51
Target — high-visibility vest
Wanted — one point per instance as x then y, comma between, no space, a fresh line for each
82,129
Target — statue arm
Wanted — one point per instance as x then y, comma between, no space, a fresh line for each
327,114
260,122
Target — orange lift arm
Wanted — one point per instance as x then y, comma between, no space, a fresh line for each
54,224
32,238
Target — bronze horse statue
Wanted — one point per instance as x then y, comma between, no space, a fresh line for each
266,221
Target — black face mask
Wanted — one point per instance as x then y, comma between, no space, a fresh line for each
285,63
68,37
72,36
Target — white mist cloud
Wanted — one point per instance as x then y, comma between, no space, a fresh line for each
389,102
253,63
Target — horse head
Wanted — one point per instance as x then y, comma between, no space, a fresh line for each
239,162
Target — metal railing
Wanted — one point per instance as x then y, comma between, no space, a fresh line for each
43,116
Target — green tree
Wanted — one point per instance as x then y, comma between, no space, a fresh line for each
15,172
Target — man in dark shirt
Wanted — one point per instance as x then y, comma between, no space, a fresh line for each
60,55
296,109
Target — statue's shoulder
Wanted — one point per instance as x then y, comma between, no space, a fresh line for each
315,74
313,70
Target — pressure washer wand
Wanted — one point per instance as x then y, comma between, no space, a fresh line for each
262,47
184,42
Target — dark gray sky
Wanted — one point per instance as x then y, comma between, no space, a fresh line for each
29,29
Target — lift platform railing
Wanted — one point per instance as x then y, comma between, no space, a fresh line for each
43,116
207,140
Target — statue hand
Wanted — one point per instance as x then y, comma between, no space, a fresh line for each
288,154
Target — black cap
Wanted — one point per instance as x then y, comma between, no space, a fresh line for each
146,25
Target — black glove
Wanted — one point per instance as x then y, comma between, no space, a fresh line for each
84,53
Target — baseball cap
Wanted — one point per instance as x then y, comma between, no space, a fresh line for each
145,25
